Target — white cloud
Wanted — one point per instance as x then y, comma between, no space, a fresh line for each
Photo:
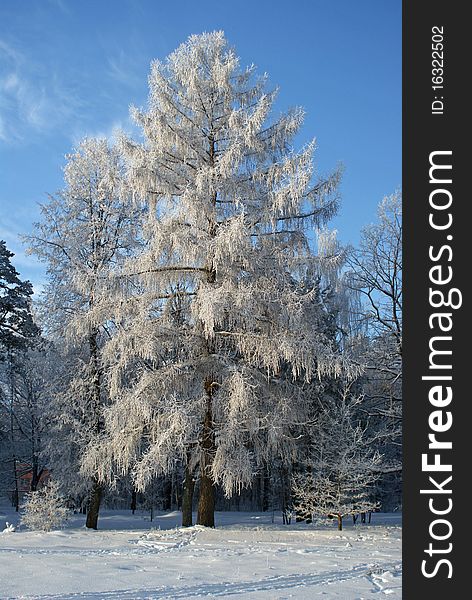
3,131
61,6
8,51
125,68
23,99
32,99
11,82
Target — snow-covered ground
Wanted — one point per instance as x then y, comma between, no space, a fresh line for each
245,557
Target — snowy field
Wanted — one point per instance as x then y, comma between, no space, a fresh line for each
245,557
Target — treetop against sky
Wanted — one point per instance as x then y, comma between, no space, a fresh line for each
69,70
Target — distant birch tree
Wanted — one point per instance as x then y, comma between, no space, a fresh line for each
375,271
217,306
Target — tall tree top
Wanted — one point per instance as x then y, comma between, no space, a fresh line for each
212,145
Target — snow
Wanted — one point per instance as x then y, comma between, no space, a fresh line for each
246,556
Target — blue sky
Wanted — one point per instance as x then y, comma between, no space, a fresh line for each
71,68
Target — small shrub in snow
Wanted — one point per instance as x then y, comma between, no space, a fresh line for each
9,528
45,509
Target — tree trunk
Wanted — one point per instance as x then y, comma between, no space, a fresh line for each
95,416
206,501
340,522
266,492
176,491
94,506
187,498
167,494
83,507
134,497
16,493
35,472
286,496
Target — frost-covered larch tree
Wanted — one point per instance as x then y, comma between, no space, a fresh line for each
85,230
216,308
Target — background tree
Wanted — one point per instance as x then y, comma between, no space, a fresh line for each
17,331
32,386
16,320
375,271
342,466
85,229
375,274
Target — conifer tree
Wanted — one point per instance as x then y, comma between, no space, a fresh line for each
18,331
16,320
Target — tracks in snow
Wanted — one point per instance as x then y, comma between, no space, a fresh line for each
215,590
